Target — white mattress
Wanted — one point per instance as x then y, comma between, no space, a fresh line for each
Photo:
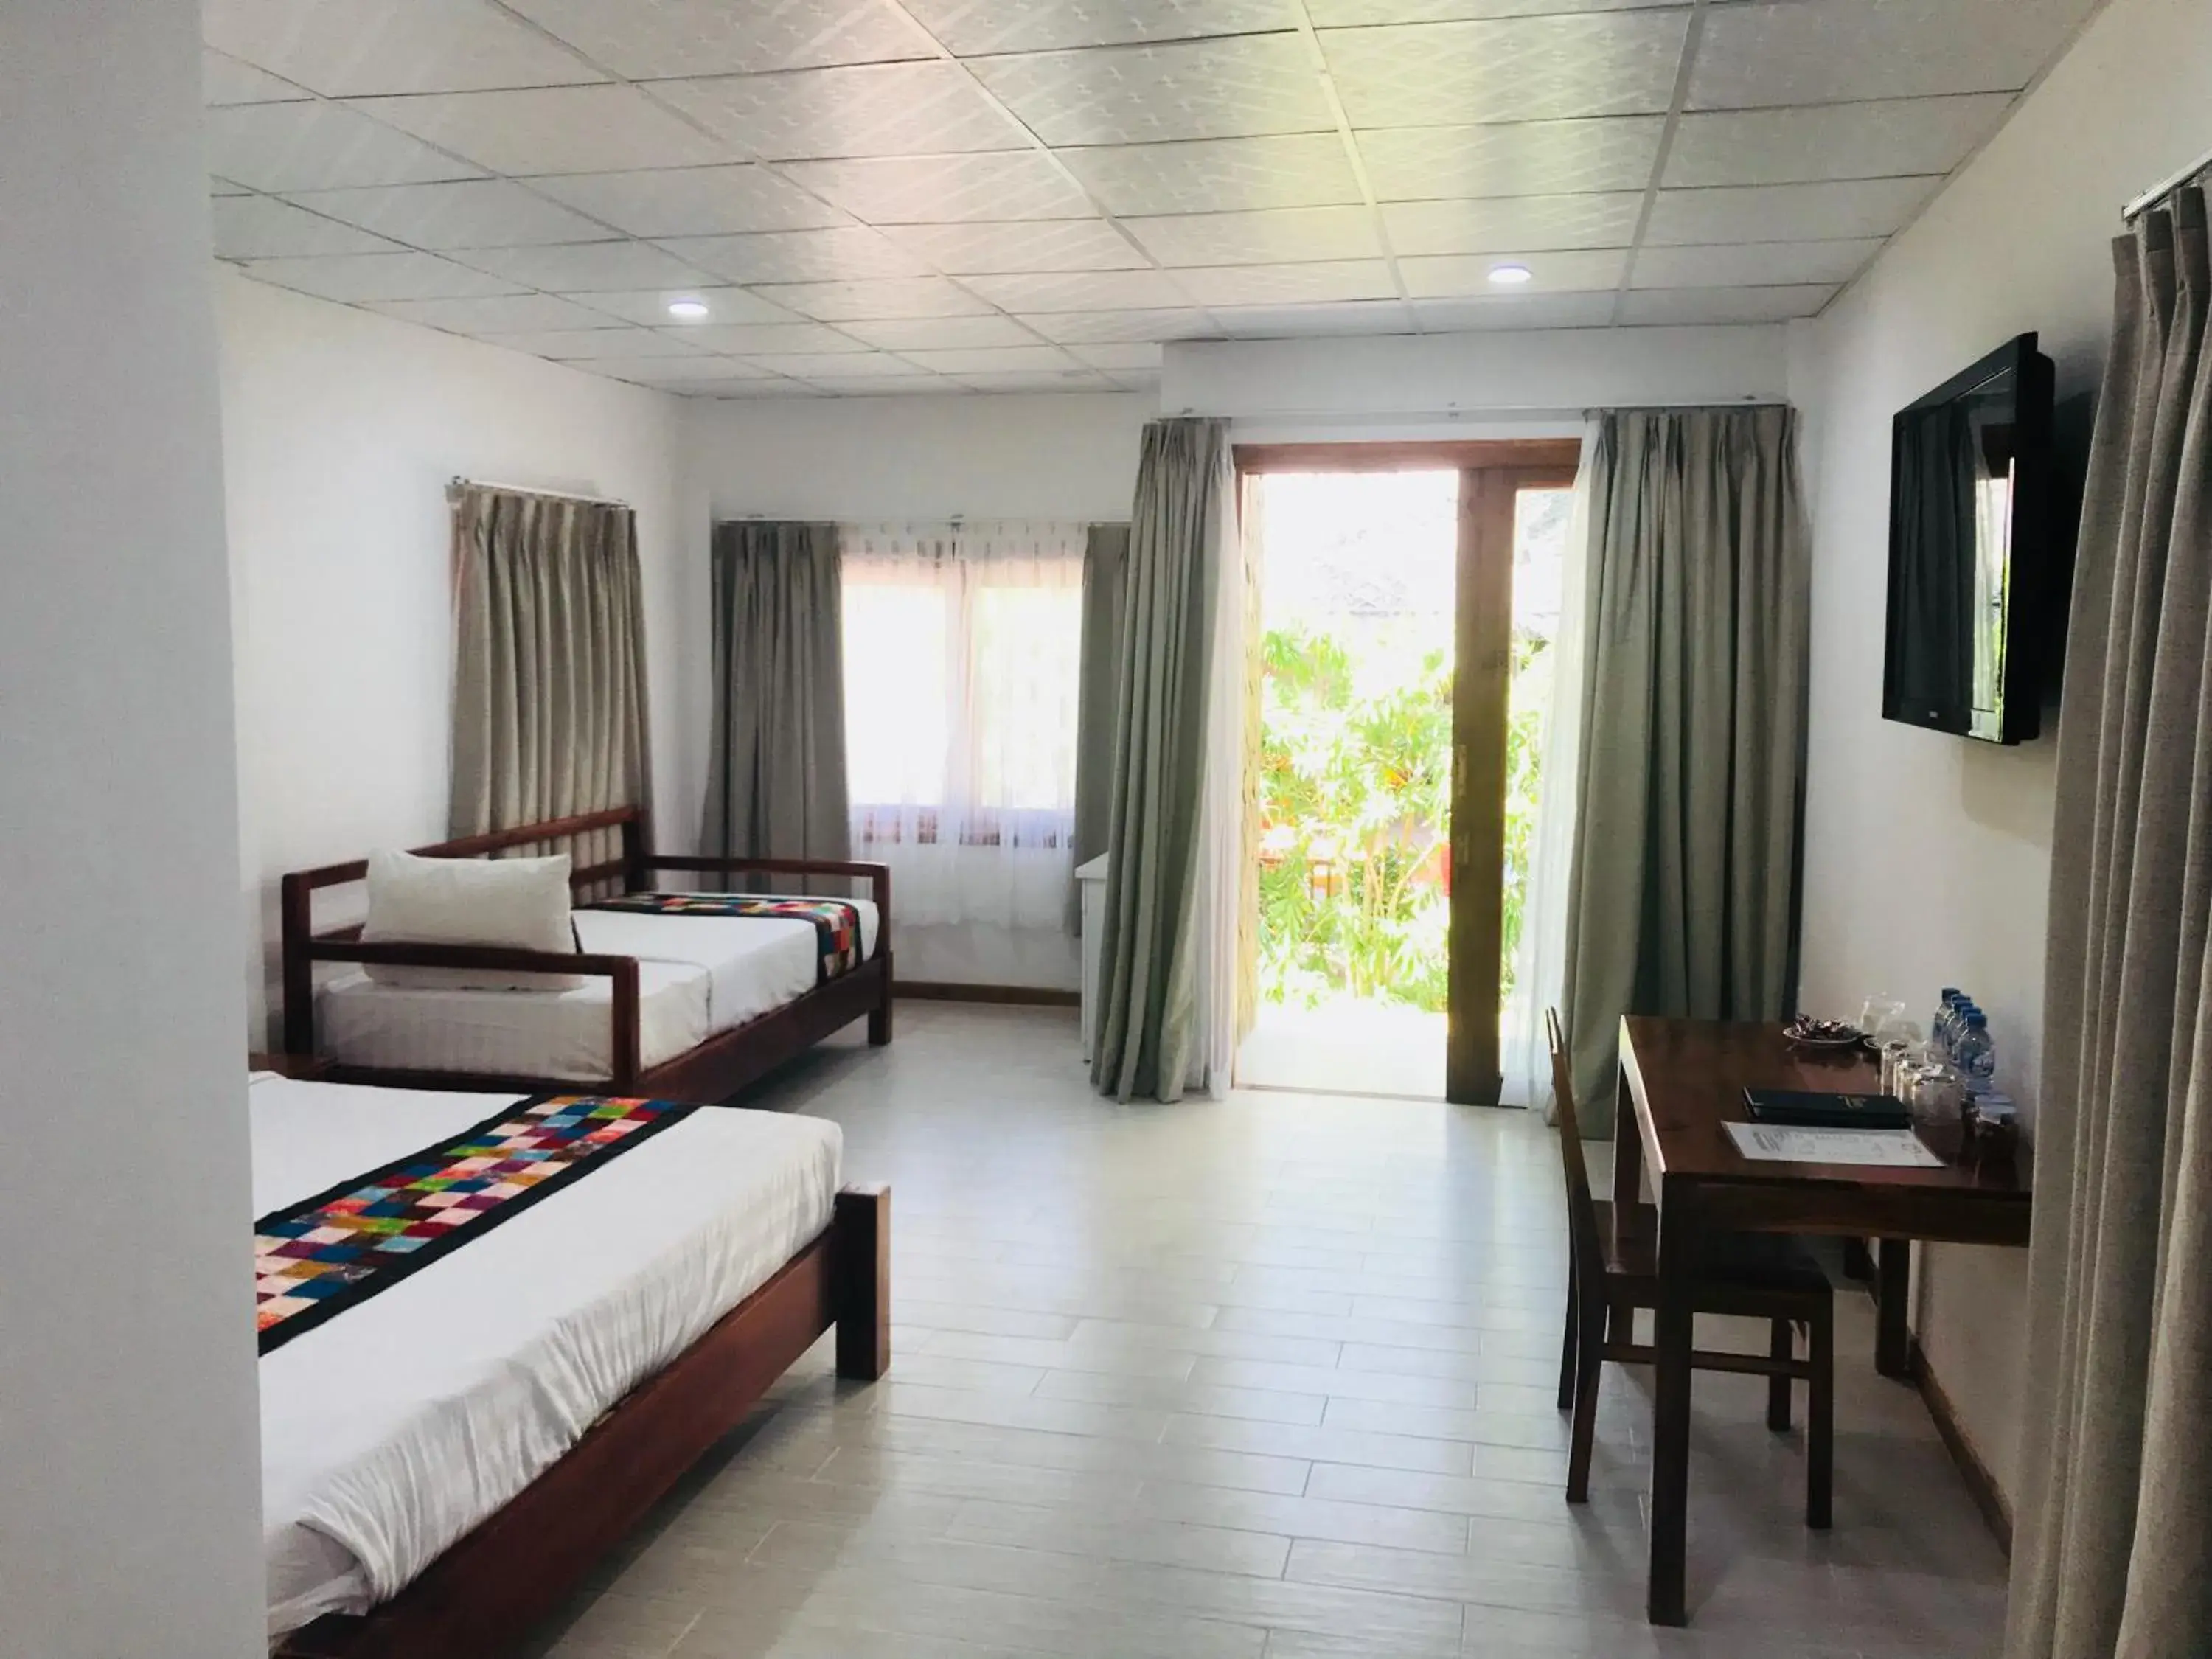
392,1430
697,978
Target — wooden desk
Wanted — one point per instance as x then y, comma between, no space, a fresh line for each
1681,1081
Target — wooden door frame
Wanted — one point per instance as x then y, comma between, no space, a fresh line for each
1491,474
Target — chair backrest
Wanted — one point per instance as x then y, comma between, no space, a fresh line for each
1582,1213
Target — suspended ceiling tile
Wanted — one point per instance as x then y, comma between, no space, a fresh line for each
261,227
1696,306
357,276
588,267
771,387
509,313
467,214
844,365
1485,311
649,306
1219,176
1758,264
744,339
363,48
940,333
837,255
1112,327
1458,275
1341,14
1100,290
1303,321
709,201
1787,213
836,385
1890,137
1244,86
1823,52
1521,158
1267,237
674,371
876,109
578,344
1068,379
646,40
1133,354
995,360
1290,284
981,248
914,296
554,129
973,26
1496,224
1518,69
318,146
224,80
1022,184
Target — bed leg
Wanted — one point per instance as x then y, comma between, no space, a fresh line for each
862,1274
879,1017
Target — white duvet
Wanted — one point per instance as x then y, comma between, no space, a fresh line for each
392,1429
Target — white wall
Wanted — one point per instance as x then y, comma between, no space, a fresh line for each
1927,856
1508,376
341,429
846,459
128,1469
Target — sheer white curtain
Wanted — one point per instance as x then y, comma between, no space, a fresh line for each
1539,961
962,648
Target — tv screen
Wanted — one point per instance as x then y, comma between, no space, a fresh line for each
1970,467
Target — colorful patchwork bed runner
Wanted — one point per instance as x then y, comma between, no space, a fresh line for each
315,1259
836,923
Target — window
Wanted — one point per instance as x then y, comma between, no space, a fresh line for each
963,657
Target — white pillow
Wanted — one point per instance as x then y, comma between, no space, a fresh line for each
519,904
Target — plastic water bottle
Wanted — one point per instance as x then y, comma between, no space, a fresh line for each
1973,1055
1939,1028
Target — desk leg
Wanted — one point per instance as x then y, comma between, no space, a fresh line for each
1892,1341
1627,1151
1670,1438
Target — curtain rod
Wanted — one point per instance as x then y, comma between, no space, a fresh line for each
457,483
2151,198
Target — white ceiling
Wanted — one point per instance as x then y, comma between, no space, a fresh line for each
879,196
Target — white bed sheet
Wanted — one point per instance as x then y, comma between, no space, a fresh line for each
697,977
390,1431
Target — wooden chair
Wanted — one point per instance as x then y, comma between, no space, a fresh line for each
1612,1269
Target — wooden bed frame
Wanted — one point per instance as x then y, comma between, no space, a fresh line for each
488,1592
714,1071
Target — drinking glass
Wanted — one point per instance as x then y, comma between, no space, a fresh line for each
1878,1013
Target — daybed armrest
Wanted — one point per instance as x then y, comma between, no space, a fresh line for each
879,876
491,958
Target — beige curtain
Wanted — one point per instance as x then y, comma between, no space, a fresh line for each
548,665
1105,579
1149,960
777,784
1682,894
2114,1554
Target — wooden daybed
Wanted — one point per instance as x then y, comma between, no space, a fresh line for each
713,1070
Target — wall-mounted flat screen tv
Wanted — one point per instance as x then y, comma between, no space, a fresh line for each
1971,554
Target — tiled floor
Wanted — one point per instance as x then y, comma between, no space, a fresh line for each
1360,1047
1263,1379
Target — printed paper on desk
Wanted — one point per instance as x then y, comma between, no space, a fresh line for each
1895,1149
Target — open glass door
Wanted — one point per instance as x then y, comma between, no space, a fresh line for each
1410,593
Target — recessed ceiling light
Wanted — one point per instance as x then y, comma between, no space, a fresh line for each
690,310
1511,275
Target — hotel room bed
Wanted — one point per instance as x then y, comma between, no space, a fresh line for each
698,977
441,1454
684,1006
